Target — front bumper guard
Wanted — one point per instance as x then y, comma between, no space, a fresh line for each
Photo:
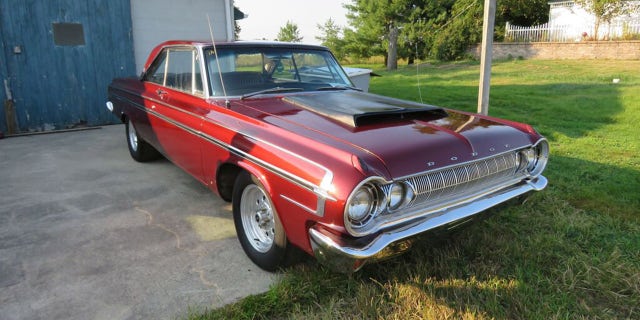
346,256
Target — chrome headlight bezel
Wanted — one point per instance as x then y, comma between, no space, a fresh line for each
367,189
385,197
399,195
396,195
533,160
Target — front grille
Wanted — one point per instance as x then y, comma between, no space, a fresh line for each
464,181
440,189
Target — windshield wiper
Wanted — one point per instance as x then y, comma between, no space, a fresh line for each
272,90
338,88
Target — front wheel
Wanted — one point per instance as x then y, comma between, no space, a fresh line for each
257,224
139,149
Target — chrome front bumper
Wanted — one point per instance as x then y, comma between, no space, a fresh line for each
346,255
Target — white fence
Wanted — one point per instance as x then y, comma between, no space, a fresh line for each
567,33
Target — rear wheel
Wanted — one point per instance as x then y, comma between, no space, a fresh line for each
139,149
257,224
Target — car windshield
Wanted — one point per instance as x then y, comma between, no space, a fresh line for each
253,71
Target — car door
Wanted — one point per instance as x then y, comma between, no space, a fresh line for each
174,98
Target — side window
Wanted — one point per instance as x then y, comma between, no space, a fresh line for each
177,68
157,69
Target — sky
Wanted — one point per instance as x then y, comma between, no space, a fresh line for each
266,17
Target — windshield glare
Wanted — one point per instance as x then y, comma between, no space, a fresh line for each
248,70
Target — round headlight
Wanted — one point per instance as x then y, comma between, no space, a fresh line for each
361,204
529,158
541,151
396,195
534,159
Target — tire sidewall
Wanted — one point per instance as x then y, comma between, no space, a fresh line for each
274,258
135,154
144,151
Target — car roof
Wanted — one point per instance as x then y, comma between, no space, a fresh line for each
263,44
234,44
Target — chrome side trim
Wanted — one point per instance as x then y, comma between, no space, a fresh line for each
305,208
320,190
325,184
347,256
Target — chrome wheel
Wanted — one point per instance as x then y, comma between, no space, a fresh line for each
257,217
133,137
139,149
258,226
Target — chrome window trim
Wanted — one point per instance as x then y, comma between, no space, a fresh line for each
199,54
203,75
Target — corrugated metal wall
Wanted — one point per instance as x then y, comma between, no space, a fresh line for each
58,78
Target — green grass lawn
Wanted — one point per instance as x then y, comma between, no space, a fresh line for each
571,251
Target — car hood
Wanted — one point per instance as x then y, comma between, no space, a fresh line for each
407,137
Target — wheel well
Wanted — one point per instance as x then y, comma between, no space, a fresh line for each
227,174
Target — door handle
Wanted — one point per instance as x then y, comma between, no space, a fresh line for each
161,92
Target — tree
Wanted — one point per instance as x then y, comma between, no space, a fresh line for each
381,18
425,20
363,44
606,11
236,26
331,37
399,28
442,29
520,13
289,33
462,29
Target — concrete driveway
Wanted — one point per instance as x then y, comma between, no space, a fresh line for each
88,233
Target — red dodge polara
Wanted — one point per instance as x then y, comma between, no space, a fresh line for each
309,161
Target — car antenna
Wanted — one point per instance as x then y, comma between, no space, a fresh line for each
215,53
418,73
436,31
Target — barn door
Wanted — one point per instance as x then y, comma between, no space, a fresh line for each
58,58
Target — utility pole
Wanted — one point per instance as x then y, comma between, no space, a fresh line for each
486,55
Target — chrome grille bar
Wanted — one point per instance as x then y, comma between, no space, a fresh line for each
468,179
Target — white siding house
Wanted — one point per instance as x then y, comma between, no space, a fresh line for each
155,21
578,21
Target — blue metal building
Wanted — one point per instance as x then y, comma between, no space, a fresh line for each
56,59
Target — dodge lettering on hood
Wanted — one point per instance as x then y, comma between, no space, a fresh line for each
308,161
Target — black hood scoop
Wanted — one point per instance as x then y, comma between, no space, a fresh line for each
358,108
